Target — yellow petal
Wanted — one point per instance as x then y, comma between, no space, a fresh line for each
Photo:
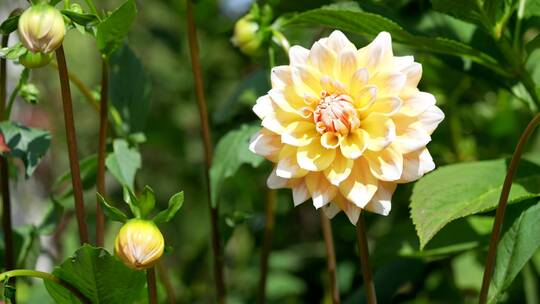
281,76
415,165
359,80
339,170
361,185
365,97
378,54
389,84
306,80
299,133
266,144
275,182
299,190
263,106
315,157
330,140
386,165
417,103
321,191
331,209
381,130
287,166
298,55
387,105
337,42
346,66
354,144
381,203
322,58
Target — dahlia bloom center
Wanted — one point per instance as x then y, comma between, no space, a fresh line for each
335,113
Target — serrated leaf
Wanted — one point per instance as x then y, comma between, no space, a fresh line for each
112,31
455,191
231,152
27,144
9,25
175,203
369,24
516,247
130,90
124,162
467,10
98,276
111,212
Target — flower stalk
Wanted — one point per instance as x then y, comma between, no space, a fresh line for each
369,284
72,145
503,200
102,151
4,171
267,244
326,227
151,282
205,132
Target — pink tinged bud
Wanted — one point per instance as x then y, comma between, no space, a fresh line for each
41,29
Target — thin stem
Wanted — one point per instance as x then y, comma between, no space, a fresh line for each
369,285
72,145
266,245
326,227
102,151
81,86
166,281
503,199
151,283
44,276
4,172
205,132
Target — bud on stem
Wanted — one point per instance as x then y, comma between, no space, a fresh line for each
41,28
139,244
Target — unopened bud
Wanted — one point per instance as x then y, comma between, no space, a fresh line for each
35,60
139,244
41,28
246,37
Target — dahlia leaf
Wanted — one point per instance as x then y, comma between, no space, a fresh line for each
516,247
112,31
455,191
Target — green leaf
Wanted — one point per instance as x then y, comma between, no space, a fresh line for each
88,168
13,52
130,89
30,145
111,212
468,10
124,162
9,25
499,11
112,31
133,202
175,203
83,19
516,247
98,276
231,152
369,24
455,191
532,8
147,201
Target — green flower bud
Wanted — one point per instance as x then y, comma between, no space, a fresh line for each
139,244
246,37
35,60
41,28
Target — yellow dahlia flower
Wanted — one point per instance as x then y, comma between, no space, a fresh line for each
345,125
139,244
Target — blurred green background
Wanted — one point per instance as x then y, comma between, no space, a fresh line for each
483,121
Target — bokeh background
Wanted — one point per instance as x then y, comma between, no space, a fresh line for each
484,120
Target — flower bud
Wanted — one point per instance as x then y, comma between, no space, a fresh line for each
41,28
35,60
139,244
246,37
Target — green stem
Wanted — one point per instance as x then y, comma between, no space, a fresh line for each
503,199
72,145
266,245
102,152
326,227
44,276
4,172
205,134
151,284
369,284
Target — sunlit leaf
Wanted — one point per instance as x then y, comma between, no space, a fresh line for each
124,162
455,191
112,31
175,203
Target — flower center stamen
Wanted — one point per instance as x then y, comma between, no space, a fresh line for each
335,113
